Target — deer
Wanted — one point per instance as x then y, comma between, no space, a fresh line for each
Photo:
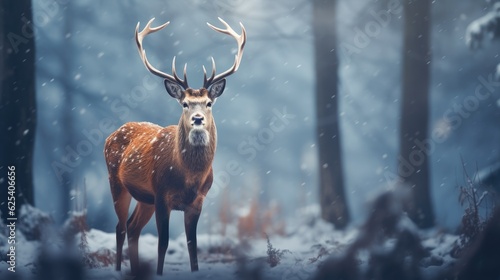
167,168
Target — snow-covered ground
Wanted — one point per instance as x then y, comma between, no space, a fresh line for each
306,244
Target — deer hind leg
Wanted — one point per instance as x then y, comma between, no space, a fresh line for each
140,217
121,199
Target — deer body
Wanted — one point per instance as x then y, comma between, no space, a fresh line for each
150,162
166,168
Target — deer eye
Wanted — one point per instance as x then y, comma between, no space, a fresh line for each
209,104
185,105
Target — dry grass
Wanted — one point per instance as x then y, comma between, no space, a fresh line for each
259,220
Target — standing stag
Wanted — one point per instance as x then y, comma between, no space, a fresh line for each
166,168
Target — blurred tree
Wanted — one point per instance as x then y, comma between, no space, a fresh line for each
413,160
68,108
332,196
17,100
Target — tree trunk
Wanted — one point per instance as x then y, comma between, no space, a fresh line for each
332,197
67,117
17,102
413,161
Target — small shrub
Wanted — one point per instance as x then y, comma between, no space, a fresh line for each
274,255
100,258
476,213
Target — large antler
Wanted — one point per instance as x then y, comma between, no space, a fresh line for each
139,36
240,39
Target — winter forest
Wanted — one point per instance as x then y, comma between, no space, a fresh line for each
356,140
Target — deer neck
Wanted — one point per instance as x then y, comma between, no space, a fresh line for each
196,157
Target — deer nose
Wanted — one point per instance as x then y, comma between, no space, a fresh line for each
197,119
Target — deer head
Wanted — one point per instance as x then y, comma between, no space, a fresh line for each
196,120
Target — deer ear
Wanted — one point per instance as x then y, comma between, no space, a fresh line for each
174,89
217,89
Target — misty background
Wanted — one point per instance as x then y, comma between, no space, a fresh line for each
90,80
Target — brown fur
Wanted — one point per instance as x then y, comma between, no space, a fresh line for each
159,168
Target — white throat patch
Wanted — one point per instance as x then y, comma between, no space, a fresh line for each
199,137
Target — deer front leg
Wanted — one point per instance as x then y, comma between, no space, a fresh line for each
191,217
162,223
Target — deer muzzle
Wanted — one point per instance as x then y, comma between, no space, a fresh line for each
197,120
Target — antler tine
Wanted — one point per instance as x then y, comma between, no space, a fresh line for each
207,82
240,40
185,74
139,36
176,78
